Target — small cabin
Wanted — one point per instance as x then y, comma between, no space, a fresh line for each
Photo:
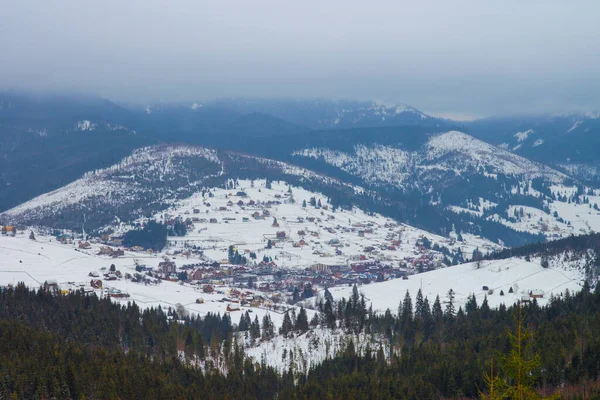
167,267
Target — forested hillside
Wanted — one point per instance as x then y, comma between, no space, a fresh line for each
72,347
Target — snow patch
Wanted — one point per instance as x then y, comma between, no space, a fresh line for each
575,126
521,136
85,125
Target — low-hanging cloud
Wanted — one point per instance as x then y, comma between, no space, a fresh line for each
465,57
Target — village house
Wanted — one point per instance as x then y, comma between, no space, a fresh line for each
115,241
105,251
167,267
84,245
117,253
96,283
196,275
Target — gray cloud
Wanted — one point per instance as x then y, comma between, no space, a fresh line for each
462,57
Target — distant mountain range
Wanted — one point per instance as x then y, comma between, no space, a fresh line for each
437,174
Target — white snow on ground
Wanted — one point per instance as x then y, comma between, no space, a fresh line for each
307,350
85,126
329,231
521,136
377,164
108,184
534,221
33,262
476,153
563,219
466,279
475,209
450,151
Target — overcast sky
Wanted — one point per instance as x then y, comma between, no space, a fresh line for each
457,58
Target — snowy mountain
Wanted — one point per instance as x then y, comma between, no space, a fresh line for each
444,156
149,180
568,142
327,114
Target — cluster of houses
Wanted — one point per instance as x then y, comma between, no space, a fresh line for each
8,230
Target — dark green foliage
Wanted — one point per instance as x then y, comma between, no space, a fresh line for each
178,229
152,236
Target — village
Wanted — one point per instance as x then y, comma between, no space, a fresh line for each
261,242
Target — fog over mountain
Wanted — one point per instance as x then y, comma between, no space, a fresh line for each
461,59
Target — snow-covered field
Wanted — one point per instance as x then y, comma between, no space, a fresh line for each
330,230
34,262
466,279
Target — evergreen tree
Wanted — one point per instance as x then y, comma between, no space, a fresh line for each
243,325
436,309
450,310
407,310
286,326
302,321
255,328
268,327
420,305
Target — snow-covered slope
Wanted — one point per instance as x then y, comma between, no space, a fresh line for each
34,262
139,182
452,152
313,235
149,180
466,279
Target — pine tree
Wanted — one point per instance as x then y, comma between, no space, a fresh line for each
268,329
518,365
436,309
407,310
355,298
471,305
302,321
255,328
286,326
450,310
419,305
495,385
243,326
